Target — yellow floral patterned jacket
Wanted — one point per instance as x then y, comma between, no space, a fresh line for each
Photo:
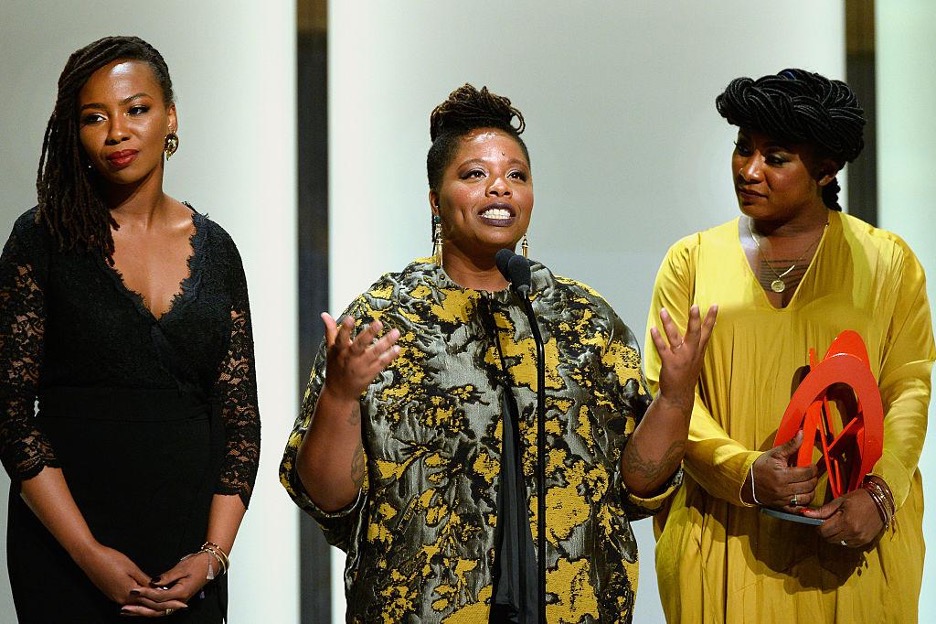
420,537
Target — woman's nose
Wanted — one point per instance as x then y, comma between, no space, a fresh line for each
750,169
117,132
498,186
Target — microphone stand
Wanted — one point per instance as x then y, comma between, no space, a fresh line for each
523,292
516,269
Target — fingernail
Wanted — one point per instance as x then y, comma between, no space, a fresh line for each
134,592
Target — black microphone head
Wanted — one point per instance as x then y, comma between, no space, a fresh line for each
502,260
520,275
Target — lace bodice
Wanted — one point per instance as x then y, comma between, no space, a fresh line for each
67,320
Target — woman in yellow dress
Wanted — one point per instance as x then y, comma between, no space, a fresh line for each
789,274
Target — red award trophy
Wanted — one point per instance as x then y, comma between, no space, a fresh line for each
849,451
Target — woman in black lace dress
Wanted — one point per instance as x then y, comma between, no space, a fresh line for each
128,411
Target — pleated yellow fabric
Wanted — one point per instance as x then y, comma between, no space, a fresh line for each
719,560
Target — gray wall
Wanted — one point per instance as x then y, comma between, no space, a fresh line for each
234,74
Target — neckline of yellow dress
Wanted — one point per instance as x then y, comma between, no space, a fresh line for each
833,221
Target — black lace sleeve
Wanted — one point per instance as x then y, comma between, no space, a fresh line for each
24,450
237,389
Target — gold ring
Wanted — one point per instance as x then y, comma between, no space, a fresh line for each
169,611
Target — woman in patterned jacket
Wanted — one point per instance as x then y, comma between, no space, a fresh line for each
416,444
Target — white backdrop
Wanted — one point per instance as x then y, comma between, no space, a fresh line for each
628,153
233,66
906,90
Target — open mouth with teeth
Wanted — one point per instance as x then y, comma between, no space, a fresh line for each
496,214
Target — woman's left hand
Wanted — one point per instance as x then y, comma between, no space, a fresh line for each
681,356
851,520
171,590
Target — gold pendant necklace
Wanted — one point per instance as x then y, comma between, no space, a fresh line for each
778,285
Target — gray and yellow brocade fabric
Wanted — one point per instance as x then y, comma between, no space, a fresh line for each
420,537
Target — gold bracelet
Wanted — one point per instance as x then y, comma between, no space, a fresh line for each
219,554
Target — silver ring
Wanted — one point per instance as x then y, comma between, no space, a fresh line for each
843,543
793,502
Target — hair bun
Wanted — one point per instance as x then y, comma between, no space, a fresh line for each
467,108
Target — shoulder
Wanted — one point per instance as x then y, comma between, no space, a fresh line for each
565,294
29,235
214,233
215,240
27,225
887,246
419,276
718,236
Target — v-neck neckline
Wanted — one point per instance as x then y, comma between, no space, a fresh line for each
806,275
187,287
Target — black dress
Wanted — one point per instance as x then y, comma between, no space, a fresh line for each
147,418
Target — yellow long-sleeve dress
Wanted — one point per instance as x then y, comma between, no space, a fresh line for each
720,560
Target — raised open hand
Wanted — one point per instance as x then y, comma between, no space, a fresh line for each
352,364
681,356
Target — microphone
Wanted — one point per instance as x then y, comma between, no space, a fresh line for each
515,269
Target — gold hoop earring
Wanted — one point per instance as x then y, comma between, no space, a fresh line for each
171,145
437,239
524,245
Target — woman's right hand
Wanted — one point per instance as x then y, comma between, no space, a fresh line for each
776,482
352,364
112,572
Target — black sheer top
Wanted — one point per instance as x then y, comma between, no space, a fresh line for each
68,321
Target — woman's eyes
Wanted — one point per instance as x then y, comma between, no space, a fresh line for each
774,158
479,173
133,111
742,148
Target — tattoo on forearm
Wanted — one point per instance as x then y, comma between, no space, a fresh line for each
354,418
649,470
357,466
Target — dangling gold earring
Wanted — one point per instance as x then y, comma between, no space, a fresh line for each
171,145
524,245
437,239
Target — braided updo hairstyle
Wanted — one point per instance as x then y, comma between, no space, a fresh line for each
467,109
800,107
70,204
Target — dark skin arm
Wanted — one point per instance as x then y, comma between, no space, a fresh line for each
330,461
656,448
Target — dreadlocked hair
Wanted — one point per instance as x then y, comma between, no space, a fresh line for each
70,202
467,109
800,107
